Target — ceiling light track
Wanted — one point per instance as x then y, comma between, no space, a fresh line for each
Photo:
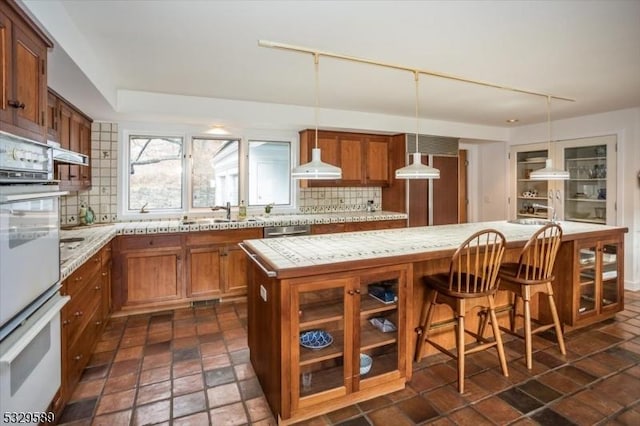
316,52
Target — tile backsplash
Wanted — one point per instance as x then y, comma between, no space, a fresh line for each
321,200
102,197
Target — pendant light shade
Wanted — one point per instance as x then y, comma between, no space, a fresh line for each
417,170
316,169
548,172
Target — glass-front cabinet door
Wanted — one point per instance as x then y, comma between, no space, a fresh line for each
322,339
600,279
589,194
529,194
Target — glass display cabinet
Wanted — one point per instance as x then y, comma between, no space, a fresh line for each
528,193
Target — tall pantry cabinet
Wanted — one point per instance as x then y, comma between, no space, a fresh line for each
589,195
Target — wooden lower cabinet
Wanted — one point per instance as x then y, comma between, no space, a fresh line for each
591,288
307,336
216,266
83,318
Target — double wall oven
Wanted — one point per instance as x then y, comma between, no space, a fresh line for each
30,302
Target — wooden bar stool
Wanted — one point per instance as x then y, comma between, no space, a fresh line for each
470,282
532,274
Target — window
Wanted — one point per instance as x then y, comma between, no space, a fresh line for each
269,173
177,174
214,173
155,172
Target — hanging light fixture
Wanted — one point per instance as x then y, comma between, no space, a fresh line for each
417,170
316,169
548,172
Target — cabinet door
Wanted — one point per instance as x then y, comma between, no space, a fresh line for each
527,192
85,148
322,341
329,153
351,159
377,161
589,194
380,326
53,117
6,73
204,271
235,277
64,134
153,276
30,76
445,191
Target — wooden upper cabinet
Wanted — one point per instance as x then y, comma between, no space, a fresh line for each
363,158
53,117
23,74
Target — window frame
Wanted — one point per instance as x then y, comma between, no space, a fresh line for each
243,175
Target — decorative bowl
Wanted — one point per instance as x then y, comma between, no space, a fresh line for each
365,364
315,339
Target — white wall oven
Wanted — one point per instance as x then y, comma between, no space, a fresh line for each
30,302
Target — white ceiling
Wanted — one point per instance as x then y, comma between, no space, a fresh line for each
585,50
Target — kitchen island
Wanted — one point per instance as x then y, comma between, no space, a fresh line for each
320,305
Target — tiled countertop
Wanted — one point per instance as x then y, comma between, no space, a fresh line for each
314,250
74,254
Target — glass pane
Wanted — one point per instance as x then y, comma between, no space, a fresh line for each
586,190
530,192
609,275
321,322
269,173
379,325
214,176
587,280
155,172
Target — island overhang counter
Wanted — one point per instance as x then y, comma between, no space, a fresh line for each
322,287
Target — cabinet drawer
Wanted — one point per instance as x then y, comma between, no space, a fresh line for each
150,241
222,237
83,275
78,312
79,353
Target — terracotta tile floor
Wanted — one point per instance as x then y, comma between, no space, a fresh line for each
191,367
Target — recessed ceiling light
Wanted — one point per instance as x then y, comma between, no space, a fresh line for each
512,120
217,130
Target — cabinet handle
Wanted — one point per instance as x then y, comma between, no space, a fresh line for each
98,322
96,259
358,291
79,279
16,104
78,357
78,314
97,288
351,292
104,274
66,322
151,242
73,176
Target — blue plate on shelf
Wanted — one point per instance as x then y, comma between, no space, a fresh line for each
315,339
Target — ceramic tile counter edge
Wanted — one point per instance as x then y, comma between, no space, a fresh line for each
73,255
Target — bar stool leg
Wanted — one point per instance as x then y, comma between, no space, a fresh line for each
556,320
425,323
460,347
498,336
527,328
513,313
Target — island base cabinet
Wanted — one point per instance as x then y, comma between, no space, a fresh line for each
340,339
596,284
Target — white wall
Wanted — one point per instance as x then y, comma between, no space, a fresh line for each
625,124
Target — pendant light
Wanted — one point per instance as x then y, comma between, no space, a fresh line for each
548,172
417,170
316,169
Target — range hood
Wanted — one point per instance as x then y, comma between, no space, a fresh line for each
62,155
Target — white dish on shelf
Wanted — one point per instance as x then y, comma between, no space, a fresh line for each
536,160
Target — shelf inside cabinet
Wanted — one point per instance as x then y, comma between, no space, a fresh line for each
370,305
334,350
325,379
382,363
320,313
371,337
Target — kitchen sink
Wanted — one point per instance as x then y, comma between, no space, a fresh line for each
207,221
530,221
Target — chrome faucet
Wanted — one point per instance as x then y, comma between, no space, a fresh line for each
554,218
227,207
